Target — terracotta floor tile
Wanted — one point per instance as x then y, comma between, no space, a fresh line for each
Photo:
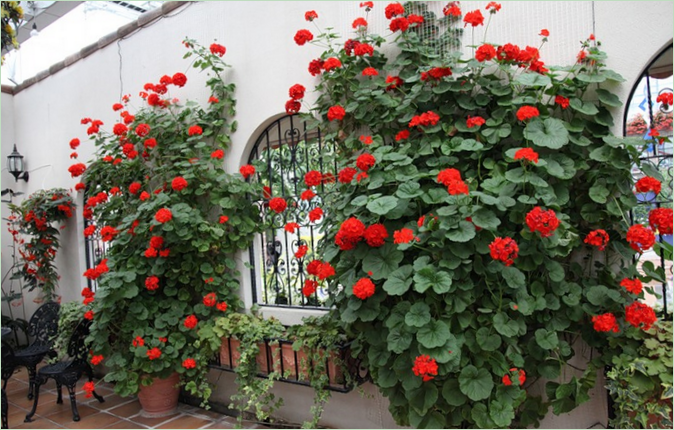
226,423
153,422
40,423
184,422
95,421
64,416
126,410
15,417
111,401
126,424
45,400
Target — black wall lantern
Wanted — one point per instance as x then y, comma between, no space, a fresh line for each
15,165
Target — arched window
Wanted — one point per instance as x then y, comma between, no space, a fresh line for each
645,116
286,151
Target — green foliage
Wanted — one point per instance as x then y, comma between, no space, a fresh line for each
36,216
70,315
641,387
194,271
12,17
442,294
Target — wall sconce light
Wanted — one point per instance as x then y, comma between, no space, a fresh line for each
15,165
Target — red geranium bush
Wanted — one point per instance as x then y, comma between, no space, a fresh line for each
498,192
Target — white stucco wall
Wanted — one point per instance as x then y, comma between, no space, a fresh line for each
43,118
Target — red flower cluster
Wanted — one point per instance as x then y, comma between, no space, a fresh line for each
307,195
108,233
666,98
291,227
640,238
404,235
605,323
179,183
315,67
278,204
190,322
301,251
89,389
504,249
346,175
562,101
218,154
394,9
247,171
474,121
153,353
399,24
322,270
473,18
521,376
336,113
527,154
365,161
189,363
218,49
359,22
303,36
74,143
598,238
163,215
210,300
350,233
310,287
310,15
370,71
527,112
426,367
495,7
451,178
452,9
429,118
647,184
152,283
634,286
368,5
402,135
660,220
97,359
195,130
485,53
89,315
315,214
394,82
544,222
436,73
375,235
331,64
363,288
77,169
313,178
95,272
638,313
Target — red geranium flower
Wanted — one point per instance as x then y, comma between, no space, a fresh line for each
138,341
404,235
120,129
210,300
639,313
163,215
296,92
179,183
218,153
77,169
80,186
346,175
108,233
474,121
544,222
190,322
394,82
448,176
527,112
213,99
504,249
647,184
365,161
223,219
452,9
315,214
429,118
473,18
457,187
310,287
315,67
144,196
375,235
218,49
598,238
485,53
325,271
301,251
544,33
134,187
74,143
152,283
303,36
605,323
527,154
399,24
222,306
179,79
247,171
195,130
350,233
495,7
189,363
150,143
89,315
634,286
336,113
359,22
402,135
97,359
153,353
363,288
368,5
331,63
292,107
660,220
150,253
313,178
640,238
394,9
310,15
426,367
370,71
278,204
142,130
562,101
291,227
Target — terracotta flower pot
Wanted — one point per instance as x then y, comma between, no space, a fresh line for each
230,359
299,369
161,397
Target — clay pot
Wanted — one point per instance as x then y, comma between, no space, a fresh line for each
231,361
298,370
161,397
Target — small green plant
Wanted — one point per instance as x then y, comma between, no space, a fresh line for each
253,397
70,315
641,387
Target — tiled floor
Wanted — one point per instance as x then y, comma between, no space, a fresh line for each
115,413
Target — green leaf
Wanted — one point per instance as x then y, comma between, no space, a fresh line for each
399,340
399,281
601,154
475,383
501,412
382,205
480,415
433,334
586,108
514,277
382,261
409,190
594,78
430,277
546,339
550,133
505,326
533,80
419,315
485,219
599,193
608,98
423,398
464,232
555,270
486,340
452,394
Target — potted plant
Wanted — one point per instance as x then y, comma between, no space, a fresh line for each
244,340
70,315
641,386
174,219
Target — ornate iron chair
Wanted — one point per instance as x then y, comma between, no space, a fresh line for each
8,363
67,372
42,328
4,410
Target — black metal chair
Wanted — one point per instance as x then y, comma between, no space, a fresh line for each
67,372
42,328
4,410
8,363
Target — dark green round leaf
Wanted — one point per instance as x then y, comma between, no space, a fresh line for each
419,315
550,133
382,205
475,383
433,334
